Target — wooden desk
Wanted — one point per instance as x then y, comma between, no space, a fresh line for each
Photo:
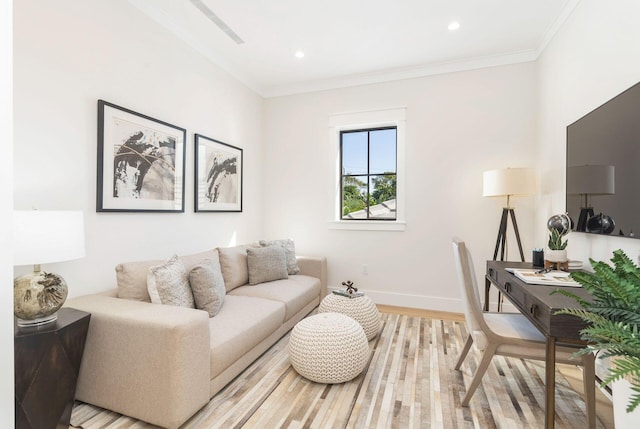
537,305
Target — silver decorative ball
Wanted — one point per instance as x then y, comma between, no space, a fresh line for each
559,222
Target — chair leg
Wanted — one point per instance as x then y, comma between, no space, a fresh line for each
465,350
477,378
589,386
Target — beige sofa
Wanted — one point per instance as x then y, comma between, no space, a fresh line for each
161,363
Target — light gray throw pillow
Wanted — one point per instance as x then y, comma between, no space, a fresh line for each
266,264
290,251
168,284
207,286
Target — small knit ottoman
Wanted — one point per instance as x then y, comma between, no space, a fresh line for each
328,348
362,309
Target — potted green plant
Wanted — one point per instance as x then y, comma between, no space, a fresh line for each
557,247
613,317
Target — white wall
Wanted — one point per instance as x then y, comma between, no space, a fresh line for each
593,58
7,408
458,125
68,54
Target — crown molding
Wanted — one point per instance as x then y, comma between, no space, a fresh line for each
400,74
375,77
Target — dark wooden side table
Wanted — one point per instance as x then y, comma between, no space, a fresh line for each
47,362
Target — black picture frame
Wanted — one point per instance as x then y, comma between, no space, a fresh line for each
218,176
141,162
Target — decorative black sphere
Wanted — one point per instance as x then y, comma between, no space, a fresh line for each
560,223
601,224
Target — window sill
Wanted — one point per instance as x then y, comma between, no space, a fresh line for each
367,225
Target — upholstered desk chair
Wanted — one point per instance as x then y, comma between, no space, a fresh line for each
507,334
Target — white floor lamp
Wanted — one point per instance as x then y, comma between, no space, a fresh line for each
508,182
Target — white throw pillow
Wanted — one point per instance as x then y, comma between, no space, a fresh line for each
168,284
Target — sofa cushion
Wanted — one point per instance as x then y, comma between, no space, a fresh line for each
132,276
207,286
194,259
266,264
168,284
295,293
242,323
132,279
233,263
290,250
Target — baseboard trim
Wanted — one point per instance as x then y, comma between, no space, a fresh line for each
413,301
419,312
424,302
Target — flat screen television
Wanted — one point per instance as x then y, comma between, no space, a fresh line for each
603,168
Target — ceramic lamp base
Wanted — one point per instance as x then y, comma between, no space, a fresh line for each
37,297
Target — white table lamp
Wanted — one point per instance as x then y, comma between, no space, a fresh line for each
41,237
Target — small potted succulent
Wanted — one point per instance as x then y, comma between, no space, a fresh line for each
557,247
613,317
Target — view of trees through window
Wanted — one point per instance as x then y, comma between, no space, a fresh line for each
368,165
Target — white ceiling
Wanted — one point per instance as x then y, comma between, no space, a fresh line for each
354,42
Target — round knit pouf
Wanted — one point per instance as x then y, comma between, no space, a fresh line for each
362,309
328,348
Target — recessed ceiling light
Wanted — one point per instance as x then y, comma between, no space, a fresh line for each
454,25
299,54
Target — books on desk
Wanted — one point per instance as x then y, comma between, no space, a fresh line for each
347,294
551,278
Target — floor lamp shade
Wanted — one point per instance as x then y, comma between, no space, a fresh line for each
41,237
508,182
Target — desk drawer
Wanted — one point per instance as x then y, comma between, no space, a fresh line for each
512,289
539,313
515,293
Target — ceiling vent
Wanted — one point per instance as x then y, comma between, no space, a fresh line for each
217,21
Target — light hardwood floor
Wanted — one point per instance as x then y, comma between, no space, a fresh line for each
573,374
409,383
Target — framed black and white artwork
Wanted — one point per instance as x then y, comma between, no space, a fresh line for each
140,162
218,176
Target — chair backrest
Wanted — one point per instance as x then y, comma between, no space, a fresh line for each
469,291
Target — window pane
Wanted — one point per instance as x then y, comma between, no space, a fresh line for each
383,197
383,151
354,197
354,153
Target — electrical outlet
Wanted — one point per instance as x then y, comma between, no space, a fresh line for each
365,269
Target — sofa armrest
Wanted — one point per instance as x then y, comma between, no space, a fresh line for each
315,267
144,360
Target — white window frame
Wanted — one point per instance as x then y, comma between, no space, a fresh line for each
394,117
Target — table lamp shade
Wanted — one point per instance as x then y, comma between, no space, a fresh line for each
508,181
41,237
591,180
